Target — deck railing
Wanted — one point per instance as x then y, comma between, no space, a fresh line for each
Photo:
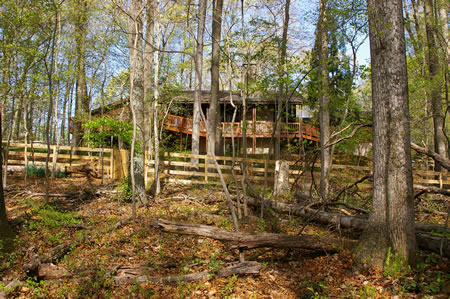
259,129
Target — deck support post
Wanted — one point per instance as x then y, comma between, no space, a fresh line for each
254,129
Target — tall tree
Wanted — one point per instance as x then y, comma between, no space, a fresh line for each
324,99
137,96
198,62
391,223
5,230
283,73
435,81
214,137
81,20
158,33
148,69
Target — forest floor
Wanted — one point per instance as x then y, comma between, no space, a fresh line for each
102,240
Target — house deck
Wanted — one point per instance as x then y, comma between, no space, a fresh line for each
257,129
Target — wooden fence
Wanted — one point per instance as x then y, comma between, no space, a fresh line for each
179,167
37,153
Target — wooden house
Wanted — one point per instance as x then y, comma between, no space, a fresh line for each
260,120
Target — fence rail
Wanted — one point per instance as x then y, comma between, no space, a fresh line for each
179,167
37,153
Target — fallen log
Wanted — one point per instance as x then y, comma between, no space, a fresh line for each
431,189
425,241
137,274
42,266
88,168
243,240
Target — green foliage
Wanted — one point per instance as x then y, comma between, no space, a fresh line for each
138,290
100,130
317,288
125,191
214,262
395,265
52,218
34,171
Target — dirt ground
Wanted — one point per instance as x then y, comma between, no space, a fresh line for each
102,241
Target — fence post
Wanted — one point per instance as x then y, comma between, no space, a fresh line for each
120,164
111,164
206,168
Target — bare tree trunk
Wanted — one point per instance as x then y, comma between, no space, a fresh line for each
148,69
82,98
137,99
5,230
214,116
25,136
55,116
158,34
391,224
198,62
283,73
244,94
324,113
434,77
50,68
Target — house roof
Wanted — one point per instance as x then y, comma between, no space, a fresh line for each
224,97
205,95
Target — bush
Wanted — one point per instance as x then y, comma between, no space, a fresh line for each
34,171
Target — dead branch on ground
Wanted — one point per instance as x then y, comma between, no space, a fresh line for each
435,156
133,274
244,240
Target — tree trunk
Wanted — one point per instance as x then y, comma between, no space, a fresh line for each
6,232
148,82
137,97
391,222
158,33
214,116
281,183
283,73
324,112
434,78
55,112
82,98
198,62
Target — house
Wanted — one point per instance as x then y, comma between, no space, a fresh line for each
260,116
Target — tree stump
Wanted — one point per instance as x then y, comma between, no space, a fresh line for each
281,184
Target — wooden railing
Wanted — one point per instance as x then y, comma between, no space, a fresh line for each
37,153
182,124
178,167
259,129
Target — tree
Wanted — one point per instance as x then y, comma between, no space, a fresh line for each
214,116
137,98
283,73
5,230
390,230
81,19
198,62
434,77
324,99
158,34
